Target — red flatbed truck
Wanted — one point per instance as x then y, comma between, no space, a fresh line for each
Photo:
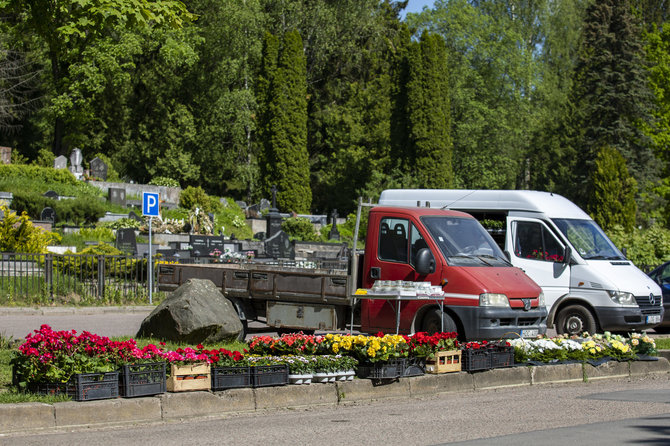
484,296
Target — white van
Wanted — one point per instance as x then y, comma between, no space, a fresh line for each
588,284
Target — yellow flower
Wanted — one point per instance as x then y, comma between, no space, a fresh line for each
372,352
635,341
592,351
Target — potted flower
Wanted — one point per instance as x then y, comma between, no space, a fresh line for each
300,368
268,371
229,369
436,353
189,370
141,370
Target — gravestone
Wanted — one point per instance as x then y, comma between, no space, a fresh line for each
51,194
264,204
334,234
5,155
48,214
253,211
60,162
241,204
279,246
6,198
98,169
117,195
204,245
75,163
125,241
133,216
273,219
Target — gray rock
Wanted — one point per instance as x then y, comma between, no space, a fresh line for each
195,312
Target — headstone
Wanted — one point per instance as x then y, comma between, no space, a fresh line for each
241,204
117,195
125,241
143,249
6,155
196,312
279,246
6,198
60,162
75,163
51,194
334,234
273,218
133,216
264,204
98,169
253,211
204,245
48,214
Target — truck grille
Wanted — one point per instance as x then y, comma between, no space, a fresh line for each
646,302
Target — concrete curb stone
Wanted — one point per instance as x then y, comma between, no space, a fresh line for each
370,390
443,383
638,368
238,400
507,377
120,410
192,404
14,417
610,369
296,396
558,373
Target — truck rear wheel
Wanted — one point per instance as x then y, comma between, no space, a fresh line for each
575,320
431,322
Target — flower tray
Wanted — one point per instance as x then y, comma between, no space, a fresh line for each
189,377
414,367
82,386
444,362
142,379
473,360
383,370
269,375
502,356
230,377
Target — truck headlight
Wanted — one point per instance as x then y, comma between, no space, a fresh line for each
622,298
540,298
493,300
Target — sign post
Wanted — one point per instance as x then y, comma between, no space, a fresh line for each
150,208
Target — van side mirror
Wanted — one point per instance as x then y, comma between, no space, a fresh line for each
425,262
567,255
508,256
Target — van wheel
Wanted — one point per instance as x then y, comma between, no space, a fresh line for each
575,320
431,322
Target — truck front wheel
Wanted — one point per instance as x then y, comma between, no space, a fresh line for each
431,322
575,320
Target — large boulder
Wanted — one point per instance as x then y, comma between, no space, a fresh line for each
195,312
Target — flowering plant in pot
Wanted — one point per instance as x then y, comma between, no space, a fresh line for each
300,365
287,344
423,345
377,348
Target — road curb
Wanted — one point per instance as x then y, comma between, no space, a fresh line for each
25,417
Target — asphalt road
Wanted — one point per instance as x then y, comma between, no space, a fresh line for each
606,412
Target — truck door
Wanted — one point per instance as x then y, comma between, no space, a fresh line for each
536,250
399,242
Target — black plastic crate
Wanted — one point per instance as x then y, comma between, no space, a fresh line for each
142,379
473,360
82,387
269,375
502,356
414,367
231,377
382,370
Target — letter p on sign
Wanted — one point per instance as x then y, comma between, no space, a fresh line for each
150,204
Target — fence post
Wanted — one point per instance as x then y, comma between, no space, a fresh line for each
49,274
101,276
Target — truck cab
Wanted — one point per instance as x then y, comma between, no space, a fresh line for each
588,284
485,296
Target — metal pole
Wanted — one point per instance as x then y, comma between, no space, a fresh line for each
150,266
354,265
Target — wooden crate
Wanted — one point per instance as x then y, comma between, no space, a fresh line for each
189,377
444,362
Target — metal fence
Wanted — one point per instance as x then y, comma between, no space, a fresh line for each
44,277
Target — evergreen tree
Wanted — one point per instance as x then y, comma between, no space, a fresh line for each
612,201
428,114
610,98
286,159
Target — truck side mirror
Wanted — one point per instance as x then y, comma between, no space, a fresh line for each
567,255
425,262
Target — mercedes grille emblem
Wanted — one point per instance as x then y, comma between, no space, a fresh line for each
652,300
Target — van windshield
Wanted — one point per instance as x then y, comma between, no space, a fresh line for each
464,242
588,239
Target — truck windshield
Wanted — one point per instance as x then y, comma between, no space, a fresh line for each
464,242
588,239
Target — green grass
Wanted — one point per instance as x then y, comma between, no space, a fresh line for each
662,343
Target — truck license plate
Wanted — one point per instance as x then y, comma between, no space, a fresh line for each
530,333
654,319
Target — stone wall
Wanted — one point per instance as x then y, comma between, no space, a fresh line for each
167,194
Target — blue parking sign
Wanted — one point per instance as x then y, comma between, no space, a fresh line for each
150,204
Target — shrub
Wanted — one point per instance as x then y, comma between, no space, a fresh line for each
18,234
45,158
164,181
122,223
81,210
300,228
644,247
231,219
31,203
193,197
